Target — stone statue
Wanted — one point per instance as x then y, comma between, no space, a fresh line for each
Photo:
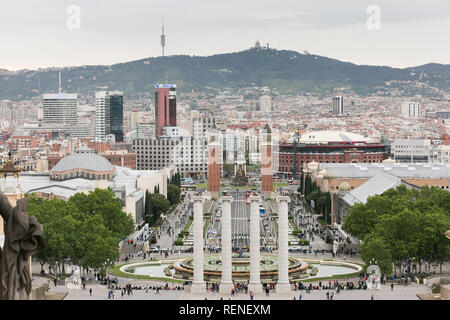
23,238
240,178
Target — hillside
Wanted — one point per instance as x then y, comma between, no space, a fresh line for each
287,71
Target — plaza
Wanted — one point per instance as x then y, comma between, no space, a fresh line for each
146,289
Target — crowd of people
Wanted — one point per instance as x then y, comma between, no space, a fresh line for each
332,285
128,289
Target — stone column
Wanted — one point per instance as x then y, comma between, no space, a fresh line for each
4,183
16,183
198,285
283,285
227,281
255,281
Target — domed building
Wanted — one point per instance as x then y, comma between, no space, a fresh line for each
389,160
344,187
312,165
84,163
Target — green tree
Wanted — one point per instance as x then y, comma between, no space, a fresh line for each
400,233
159,205
173,194
100,246
59,230
375,248
148,208
104,203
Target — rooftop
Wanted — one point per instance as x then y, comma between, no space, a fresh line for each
376,185
323,137
87,161
400,170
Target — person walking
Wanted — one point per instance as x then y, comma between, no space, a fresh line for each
90,292
392,286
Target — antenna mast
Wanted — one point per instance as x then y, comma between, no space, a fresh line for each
163,39
60,89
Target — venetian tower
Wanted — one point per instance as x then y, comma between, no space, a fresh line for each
266,162
214,157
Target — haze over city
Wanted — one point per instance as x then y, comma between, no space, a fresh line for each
113,31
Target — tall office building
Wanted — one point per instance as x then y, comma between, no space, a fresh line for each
134,119
12,117
165,107
338,105
4,106
116,115
60,108
109,114
411,109
102,115
265,104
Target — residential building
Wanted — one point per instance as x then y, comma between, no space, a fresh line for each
60,108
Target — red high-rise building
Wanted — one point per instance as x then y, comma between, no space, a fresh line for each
165,107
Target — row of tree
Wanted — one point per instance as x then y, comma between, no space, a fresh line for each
156,204
322,200
86,229
175,180
402,225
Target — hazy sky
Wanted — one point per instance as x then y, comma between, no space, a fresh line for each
34,33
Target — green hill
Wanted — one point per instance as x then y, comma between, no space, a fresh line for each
287,71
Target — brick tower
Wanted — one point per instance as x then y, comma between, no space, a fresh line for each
214,160
266,162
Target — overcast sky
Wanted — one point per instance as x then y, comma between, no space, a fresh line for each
34,33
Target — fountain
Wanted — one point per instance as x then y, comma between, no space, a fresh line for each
240,268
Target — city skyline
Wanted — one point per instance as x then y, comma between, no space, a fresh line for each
411,33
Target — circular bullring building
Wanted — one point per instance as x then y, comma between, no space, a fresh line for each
84,164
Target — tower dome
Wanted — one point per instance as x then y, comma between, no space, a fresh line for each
312,165
326,174
345,186
389,160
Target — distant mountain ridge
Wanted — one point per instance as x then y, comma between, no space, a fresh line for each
288,72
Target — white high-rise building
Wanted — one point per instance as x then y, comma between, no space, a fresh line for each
4,105
102,115
338,105
134,119
60,108
411,109
265,104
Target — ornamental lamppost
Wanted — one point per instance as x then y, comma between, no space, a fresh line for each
375,274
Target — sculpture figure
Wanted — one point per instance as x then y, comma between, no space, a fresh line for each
23,238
